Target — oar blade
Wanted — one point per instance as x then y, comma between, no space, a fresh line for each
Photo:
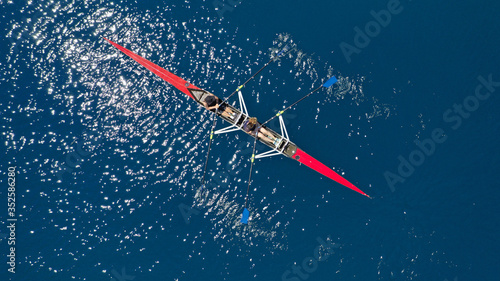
285,50
244,217
330,82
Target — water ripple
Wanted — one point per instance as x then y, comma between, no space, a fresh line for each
110,141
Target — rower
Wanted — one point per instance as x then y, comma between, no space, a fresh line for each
250,126
212,102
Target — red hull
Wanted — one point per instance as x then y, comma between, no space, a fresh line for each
321,168
181,84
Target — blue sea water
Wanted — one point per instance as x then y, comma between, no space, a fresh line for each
109,157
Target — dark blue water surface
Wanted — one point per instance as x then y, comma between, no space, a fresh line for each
109,157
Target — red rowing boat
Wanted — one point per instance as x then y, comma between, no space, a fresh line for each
240,117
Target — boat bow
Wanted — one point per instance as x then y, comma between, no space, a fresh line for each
321,168
181,84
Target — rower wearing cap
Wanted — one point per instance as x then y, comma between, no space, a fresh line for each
250,126
212,102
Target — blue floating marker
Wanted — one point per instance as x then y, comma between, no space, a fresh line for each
330,82
246,214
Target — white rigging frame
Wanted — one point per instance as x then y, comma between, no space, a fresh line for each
243,109
232,128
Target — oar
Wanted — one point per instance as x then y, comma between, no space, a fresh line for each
214,122
286,49
327,84
246,213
